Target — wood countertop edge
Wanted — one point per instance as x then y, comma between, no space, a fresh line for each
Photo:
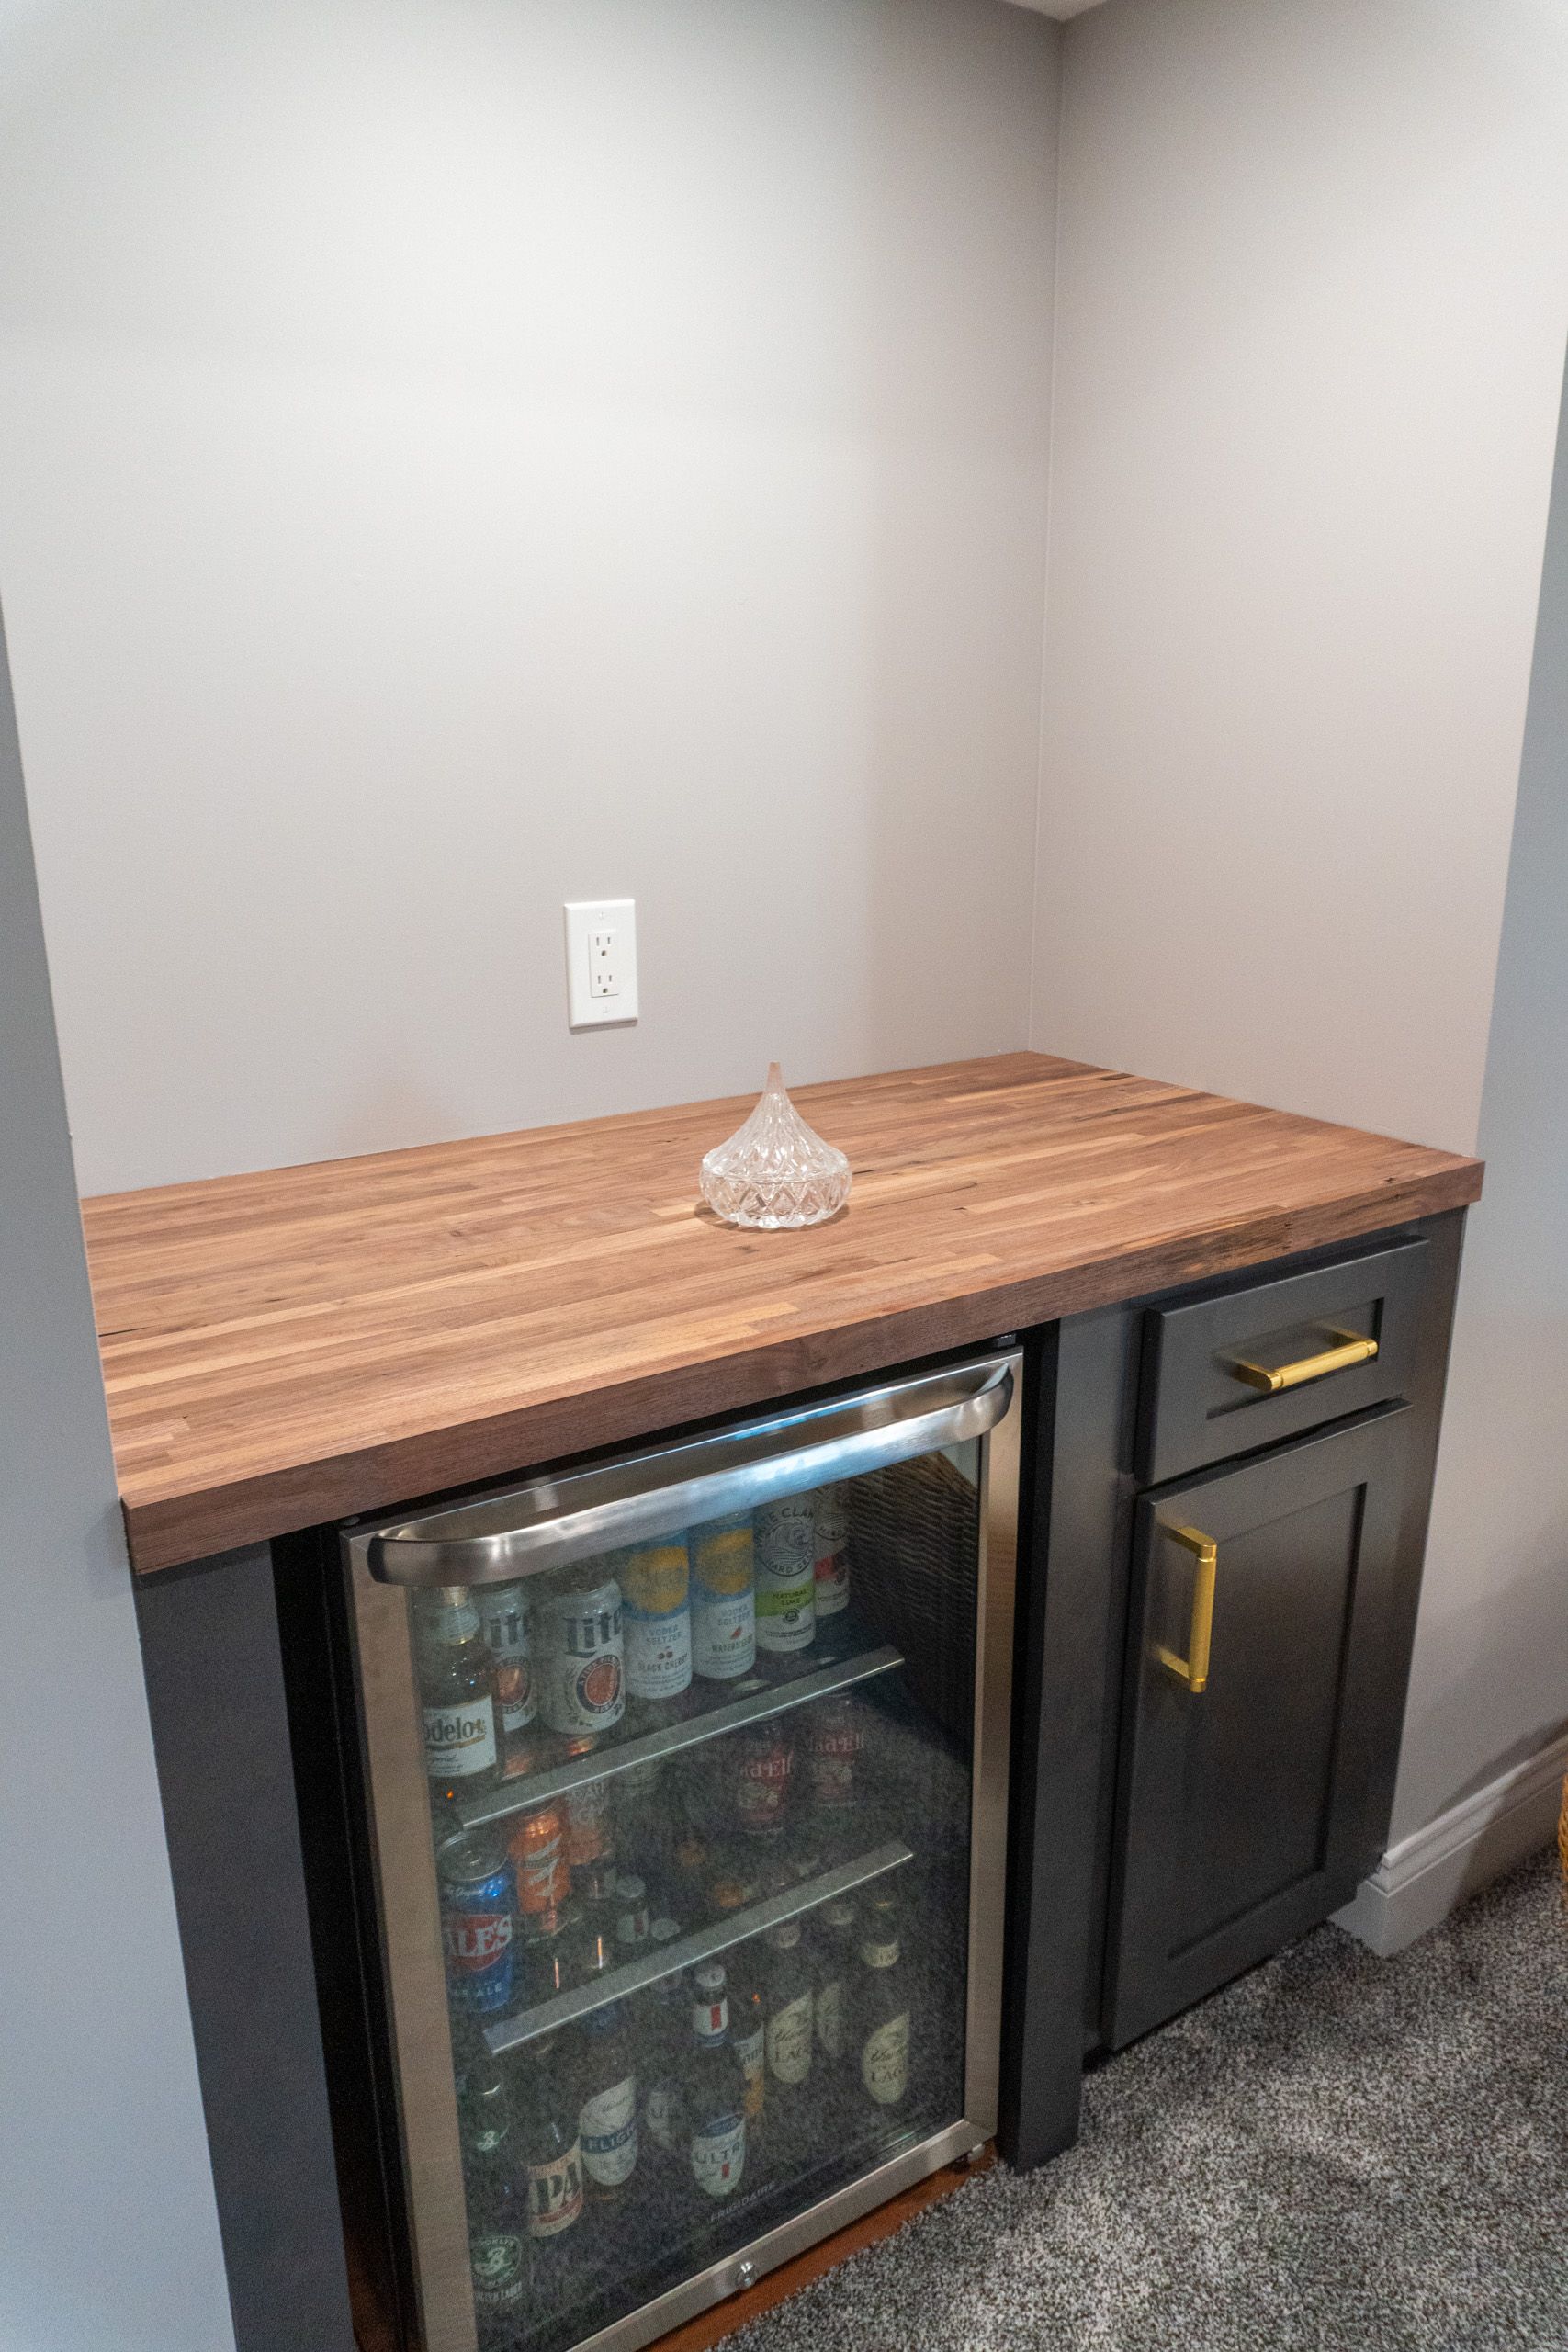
166,1532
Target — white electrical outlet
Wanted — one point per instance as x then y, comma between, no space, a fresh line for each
601,961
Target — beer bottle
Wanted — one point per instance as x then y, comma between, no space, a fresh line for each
714,2091
666,2033
748,2017
497,2201
456,1687
882,2013
834,1939
552,2162
787,1997
606,2119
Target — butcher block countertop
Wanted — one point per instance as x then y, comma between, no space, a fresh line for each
285,1349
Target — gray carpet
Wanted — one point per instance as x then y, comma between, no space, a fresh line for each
1336,2154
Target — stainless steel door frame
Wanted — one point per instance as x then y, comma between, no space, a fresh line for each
410,1920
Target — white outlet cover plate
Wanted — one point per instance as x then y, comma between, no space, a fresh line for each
584,917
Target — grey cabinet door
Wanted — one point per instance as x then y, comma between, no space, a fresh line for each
1250,1798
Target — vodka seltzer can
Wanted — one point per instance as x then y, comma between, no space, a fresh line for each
786,1573
656,1615
723,1615
478,1923
582,1678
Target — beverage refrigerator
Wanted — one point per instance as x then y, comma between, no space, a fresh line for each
685,1776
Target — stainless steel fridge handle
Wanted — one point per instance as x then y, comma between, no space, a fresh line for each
490,1539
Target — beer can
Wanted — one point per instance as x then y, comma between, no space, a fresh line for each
582,1681
764,1759
835,1736
786,1573
539,1861
590,1839
831,1596
723,1608
478,1923
504,1622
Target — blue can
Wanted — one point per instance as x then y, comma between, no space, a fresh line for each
478,1923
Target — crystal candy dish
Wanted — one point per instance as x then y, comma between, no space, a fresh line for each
773,1171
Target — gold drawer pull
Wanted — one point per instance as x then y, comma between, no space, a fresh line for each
1193,1670
1352,1349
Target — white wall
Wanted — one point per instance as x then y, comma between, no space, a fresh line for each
1312,298
109,2229
1490,1687
1312,303
465,458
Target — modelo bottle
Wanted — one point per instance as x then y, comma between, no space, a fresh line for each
656,1617
785,1534
715,2092
882,2014
463,1747
607,2115
724,1608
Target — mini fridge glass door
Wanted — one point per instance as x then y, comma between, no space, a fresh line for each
687,1780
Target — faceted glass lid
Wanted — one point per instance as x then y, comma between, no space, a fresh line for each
775,1171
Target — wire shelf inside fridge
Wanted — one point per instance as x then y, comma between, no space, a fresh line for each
651,1746
689,1951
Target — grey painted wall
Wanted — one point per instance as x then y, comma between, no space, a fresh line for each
108,2232
1312,295
1490,1685
465,458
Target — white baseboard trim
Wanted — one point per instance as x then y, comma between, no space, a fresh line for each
1422,1879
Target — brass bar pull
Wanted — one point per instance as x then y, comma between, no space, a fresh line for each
1351,1349
1193,1670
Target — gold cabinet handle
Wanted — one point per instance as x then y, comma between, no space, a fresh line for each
1351,1349
1193,1670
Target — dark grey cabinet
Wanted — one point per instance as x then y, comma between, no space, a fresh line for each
1264,1600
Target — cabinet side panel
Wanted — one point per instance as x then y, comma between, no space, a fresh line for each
1071,1601
219,1727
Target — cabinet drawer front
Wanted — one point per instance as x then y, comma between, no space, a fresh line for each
1228,1374
1265,1685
